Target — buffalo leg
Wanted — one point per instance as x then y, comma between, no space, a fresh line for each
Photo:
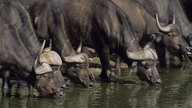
30,88
160,49
17,90
104,56
117,65
6,85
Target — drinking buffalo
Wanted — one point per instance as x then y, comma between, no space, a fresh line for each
166,9
16,58
47,21
146,29
103,26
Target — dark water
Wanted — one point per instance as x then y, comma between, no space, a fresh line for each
175,92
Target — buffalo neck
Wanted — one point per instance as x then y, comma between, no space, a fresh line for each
15,53
21,20
48,23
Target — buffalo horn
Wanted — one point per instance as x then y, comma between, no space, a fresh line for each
50,46
79,58
148,54
44,67
51,57
173,19
38,54
167,28
80,47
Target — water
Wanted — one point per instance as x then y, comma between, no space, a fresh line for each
175,92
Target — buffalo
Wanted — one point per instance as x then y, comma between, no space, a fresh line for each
103,26
146,29
47,21
166,9
16,58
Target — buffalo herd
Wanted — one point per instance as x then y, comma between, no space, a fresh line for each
42,40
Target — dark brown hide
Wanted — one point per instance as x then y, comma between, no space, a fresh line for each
14,54
48,23
104,27
166,9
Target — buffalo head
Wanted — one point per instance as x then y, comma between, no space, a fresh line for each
144,65
171,37
49,80
77,69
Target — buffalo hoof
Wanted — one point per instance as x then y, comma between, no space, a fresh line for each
6,93
104,78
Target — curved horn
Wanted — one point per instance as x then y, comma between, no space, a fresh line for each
50,46
163,29
38,55
148,54
43,68
174,19
41,49
79,58
168,28
51,57
35,63
80,47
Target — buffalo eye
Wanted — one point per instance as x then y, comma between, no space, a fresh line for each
77,65
46,76
82,65
146,64
170,34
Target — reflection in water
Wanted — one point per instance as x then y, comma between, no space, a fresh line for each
177,89
175,92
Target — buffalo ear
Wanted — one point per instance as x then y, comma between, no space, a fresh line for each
133,69
157,37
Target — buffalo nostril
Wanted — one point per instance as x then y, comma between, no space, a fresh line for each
188,49
159,81
91,84
61,94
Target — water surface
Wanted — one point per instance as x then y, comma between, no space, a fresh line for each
129,92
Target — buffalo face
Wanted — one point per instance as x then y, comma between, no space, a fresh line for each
77,69
146,71
50,84
49,80
177,46
144,66
171,38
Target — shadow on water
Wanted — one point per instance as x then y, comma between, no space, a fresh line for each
128,92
